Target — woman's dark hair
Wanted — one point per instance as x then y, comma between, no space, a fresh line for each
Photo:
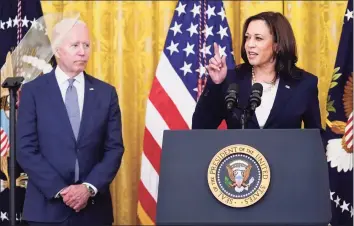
283,35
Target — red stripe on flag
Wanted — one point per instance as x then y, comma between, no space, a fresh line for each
350,128
4,145
349,132
165,106
350,119
147,201
349,140
152,150
3,139
223,125
4,150
4,142
2,133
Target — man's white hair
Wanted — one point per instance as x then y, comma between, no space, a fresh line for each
61,29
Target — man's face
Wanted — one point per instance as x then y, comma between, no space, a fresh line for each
74,52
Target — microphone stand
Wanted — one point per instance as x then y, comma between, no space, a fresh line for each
13,84
243,119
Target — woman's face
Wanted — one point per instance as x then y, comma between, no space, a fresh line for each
259,43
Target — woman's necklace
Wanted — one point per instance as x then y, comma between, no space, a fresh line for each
270,85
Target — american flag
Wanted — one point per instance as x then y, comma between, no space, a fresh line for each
4,142
4,131
339,130
179,80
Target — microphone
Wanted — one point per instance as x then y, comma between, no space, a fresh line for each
255,98
231,98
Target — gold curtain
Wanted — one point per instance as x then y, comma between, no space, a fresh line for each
128,37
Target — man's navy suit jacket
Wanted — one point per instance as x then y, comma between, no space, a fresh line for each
47,148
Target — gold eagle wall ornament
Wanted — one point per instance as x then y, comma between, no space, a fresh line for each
338,127
340,150
348,96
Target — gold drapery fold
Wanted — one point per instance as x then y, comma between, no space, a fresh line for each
128,37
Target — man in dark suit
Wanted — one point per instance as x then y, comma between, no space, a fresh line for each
69,139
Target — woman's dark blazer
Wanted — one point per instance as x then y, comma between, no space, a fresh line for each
296,101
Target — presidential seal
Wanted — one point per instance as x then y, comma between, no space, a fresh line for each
238,176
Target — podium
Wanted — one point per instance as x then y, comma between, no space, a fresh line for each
196,185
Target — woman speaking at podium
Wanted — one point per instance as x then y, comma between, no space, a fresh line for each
268,89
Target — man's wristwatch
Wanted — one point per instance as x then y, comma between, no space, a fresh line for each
90,189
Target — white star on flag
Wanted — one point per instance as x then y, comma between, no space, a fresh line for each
222,14
193,29
201,70
9,23
222,32
349,15
2,25
195,10
222,51
189,49
25,22
3,216
211,11
206,50
16,21
173,47
344,206
181,8
34,23
208,31
176,29
337,201
186,68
